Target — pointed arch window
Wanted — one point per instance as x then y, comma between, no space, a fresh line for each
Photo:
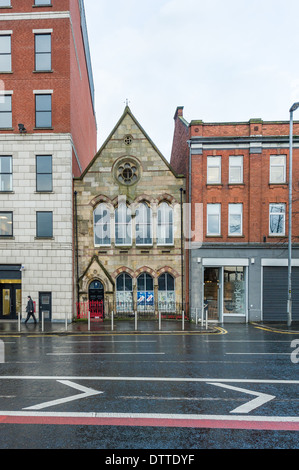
124,293
123,225
166,292
101,216
143,224
145,293
165,224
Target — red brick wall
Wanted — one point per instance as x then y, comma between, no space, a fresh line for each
256,193
180,148
71,103
83,124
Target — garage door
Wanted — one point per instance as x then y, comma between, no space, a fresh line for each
275,293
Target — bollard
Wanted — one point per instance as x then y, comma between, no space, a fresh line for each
65,321
19,321
183,320
43,321
135,320
88,315
112,320
160,325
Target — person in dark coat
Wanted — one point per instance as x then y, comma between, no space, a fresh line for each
30,310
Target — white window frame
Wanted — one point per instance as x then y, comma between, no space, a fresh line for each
212,210
275,234
231,212
273,165
232,164
213,162
102,207
165,224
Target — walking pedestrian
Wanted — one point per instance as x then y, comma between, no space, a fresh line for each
30,310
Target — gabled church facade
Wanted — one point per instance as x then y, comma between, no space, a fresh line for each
128,207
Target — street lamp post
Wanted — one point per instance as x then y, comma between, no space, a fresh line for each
293,108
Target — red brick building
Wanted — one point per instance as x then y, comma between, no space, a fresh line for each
48,135
45,51
237,177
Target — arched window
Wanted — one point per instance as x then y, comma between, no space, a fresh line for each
165,224
166,292
101,218
145,293
124,293
123,225
143,224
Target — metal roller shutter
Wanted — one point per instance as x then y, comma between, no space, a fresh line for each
275,293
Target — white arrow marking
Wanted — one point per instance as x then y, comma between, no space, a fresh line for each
261,399
87,392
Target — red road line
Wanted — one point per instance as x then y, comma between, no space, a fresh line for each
154,422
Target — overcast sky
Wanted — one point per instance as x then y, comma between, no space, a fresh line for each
223,60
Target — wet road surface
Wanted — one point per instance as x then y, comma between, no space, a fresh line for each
237,389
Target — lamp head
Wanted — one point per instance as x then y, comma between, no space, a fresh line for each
294,107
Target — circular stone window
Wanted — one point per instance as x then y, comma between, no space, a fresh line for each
127,172
128,140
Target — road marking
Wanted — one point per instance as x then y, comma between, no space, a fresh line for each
110,342
87,392
105,354
261,399
150,379
272,423
259,354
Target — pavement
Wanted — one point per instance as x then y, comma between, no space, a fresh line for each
8,328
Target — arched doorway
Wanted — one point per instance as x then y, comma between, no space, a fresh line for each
96,299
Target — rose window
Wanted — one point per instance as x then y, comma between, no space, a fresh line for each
127,173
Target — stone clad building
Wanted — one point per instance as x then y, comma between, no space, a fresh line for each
128,209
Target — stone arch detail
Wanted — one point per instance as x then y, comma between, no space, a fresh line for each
146,269
121,270
169,270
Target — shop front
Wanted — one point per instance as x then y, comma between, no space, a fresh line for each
225,290
10,292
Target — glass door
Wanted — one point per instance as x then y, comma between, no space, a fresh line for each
212,292
10,301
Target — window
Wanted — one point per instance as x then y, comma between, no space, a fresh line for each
5,53
44,173
165,224
143,221
277,169
235,219
124,293
6,224
235,169
145,292
277,219
213,219
42,2
42,52
5,173
44,224
123,225
43,111
214,170
166,293
5,112
101,218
